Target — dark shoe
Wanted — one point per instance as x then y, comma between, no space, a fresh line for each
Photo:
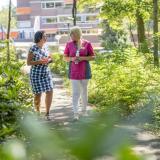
47,117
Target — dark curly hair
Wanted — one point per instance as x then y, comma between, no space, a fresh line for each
38,36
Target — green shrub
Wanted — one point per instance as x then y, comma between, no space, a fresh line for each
124,81
3,51
58,66
15,97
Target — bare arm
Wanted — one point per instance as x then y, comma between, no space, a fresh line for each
30,61
68,59
50,59
87,58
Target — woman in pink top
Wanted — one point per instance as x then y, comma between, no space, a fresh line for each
78,53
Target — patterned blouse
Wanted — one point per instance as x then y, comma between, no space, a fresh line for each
40,75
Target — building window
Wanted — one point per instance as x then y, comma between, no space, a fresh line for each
64,32
91,18
84,32
63,19
43,5
68,5
94,31
48,5
58,4
24,24
83,18
50,36
49,20
78,18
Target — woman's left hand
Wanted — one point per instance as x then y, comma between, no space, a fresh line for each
86,58
81,58
78,59
50,60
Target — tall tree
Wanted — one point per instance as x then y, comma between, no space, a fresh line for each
134,11
113,39
141,29
8,32
155,31
74,12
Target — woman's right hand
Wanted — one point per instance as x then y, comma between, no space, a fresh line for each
43,61
73,59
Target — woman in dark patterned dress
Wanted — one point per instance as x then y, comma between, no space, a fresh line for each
40,75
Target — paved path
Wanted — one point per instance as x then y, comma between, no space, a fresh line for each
61,109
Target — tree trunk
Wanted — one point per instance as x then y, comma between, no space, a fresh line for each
142,43
8,32
74,12
131,33
155,31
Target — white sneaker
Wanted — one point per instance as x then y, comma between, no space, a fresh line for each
84,113
76,117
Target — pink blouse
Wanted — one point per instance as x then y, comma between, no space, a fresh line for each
82,69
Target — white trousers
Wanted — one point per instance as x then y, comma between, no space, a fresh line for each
79,88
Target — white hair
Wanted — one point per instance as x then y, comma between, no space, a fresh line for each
76,30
